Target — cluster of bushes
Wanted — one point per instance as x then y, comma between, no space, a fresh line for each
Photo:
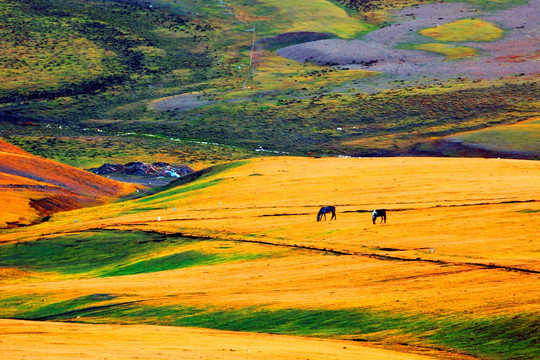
365,5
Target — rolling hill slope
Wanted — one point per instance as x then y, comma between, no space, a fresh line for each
452,274
230,262
33,187
160,342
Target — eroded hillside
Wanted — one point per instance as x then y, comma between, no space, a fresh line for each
34,188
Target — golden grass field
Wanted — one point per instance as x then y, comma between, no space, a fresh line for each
67,341
460,242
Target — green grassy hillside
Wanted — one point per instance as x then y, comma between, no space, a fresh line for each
194,72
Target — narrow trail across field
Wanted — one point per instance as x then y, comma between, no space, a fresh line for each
334,251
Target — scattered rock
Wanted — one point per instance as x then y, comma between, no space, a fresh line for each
139,168
108,169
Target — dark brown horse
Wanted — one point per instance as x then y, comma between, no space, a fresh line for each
325,210
379,213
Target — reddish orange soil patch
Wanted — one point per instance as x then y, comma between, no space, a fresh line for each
32,187
535,56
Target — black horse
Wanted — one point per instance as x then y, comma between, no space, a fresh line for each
379,213
325,210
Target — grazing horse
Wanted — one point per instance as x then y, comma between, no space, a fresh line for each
327,209
379,213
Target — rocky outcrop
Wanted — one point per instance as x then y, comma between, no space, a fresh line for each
139,168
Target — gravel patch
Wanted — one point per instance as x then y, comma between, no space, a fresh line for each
292,38
351,52
407,22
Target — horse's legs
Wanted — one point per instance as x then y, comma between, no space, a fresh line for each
333,216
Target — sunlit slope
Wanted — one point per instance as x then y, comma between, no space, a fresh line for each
522,138
477,210
449,307
61,341
314,16
32,187
454,269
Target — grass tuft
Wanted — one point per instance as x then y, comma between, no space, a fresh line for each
465,30
451,52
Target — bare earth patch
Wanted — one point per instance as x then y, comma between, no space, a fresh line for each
360,53
296,37
179,102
